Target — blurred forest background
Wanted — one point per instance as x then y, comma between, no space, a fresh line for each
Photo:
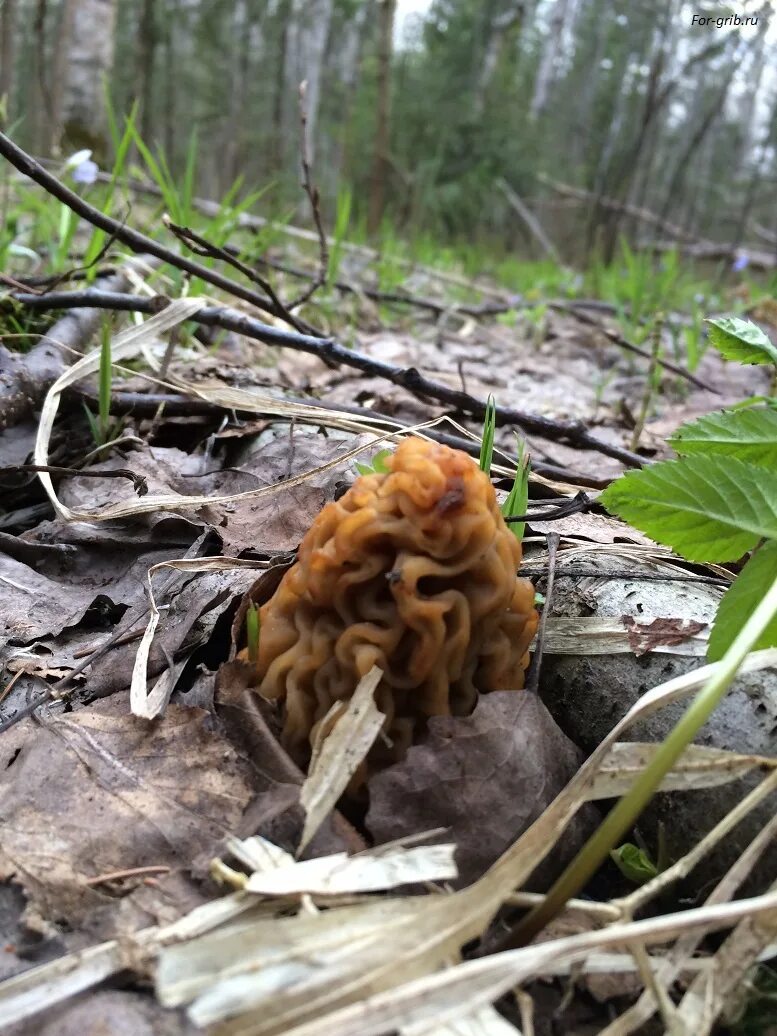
557,128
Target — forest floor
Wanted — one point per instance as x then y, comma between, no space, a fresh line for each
129,748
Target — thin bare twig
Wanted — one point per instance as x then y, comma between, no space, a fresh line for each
315,203
127,235
139,483
201,246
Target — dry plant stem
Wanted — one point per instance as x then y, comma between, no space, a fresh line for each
131,238
625,812
574,433
651,384
533,678
201,246
315,203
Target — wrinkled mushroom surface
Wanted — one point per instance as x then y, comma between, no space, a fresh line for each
413,571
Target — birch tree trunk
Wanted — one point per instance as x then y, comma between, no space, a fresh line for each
550,53
7,52
307,40
380,163
89,63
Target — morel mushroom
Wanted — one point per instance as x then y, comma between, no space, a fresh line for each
413,571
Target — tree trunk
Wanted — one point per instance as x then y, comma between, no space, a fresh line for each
89,63
350,61
550,52
7,54
144,71
380,163
497,34
308,35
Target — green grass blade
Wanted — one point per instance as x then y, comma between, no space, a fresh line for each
487,443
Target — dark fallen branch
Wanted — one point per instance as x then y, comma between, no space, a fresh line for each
133,239
26,377
641,577
572,433
139,483
579,504
147,404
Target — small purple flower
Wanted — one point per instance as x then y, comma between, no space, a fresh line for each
740,263
86,172
81,166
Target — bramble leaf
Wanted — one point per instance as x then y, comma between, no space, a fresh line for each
704,508
741,600
750,435
741,340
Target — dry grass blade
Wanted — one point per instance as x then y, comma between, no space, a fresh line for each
486,1021
698,767
440,997
709,993
367,872
128,343
35,990
337,758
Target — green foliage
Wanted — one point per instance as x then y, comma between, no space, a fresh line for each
377,465
718,502
487,439
741,340
340,229
740,600
749,435
634,863
704,508
252,632
102,427
517,500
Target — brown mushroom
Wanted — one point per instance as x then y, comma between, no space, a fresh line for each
413,571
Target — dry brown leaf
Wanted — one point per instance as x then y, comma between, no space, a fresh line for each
661,632
698,767
484,778
97,791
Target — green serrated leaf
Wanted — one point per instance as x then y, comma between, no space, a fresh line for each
704,508
741,600
634,863
742,340
750,435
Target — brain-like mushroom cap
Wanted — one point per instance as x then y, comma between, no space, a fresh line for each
413,571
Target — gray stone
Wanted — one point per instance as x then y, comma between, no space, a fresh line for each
587,695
